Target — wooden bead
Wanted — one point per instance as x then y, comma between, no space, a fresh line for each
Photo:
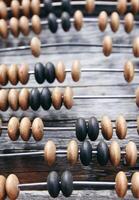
15,7
3,74
131,154
35,7
121,127
135,184
13,74
50,152
3,29
128,22
2,187
3,10
129,71
35,47
57,98
68,98
3,99
13,97
136,47
37,129
26,7
78,20
114,21
115,153
121,6
36,24
76,71
24,25
25,128
107,45
24,99
121,184
72,152
12,188
13,128
60,72
106,127
102,20
135,6
137,96
90,6
23,73
14,26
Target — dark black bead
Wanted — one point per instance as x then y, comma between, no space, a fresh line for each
50,72
46,100
93,128
39,73
34,99
66,183
102,153
48,6
52,23
53,184
65,21
81,129
66,6
86,153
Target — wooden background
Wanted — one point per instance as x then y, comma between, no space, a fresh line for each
34,169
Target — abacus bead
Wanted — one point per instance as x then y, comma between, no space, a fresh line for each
13,97
3,29
131,154
24,25
46,100
53,184
23,73
65,17
76,71
121,184
93,128
78,20
129,71
60,72
121,127
121,6
128,22
3,74
25,128
135,184
34,99
35,47
36,24
114,21
81,129
107,45
86,153
12,188
102,20
13,74
115,153
137,96
52,22
15,7
24,99
72,152
68,98
39,73
106,127
57,98
50,152
66,183
4,99
48,6
50,72
102,153
90,6
3,10
14,26
136,47
35,7
135,6
2,187
37,129
13,128
66,5
26,7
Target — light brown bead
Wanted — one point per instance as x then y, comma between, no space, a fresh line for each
78,20
131,154
76,70
13,98
107,45
102,20
57,98
68,98
50,152
121,127
3,29
14,26
13,128
3,10
136,47
106,127
134,6
12,188
114,21
115,153
26,7
24,98
72,152
36,24
15,7
24,25
129,22
90,6
25,128
35,7
13,74
121,184
137,96
3,74
129,71
4,99
23,73
2,187
135,184
35,46
37,129
121,6
60,72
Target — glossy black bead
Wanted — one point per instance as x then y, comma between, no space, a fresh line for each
50,72
53,184
46,100
66,6
65,21
93,128
86,153
66,183
52,23
48,6
39,73
102,153
34,99
81,129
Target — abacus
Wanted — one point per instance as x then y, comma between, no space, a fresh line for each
69,99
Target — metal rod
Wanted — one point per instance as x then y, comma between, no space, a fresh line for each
104,97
